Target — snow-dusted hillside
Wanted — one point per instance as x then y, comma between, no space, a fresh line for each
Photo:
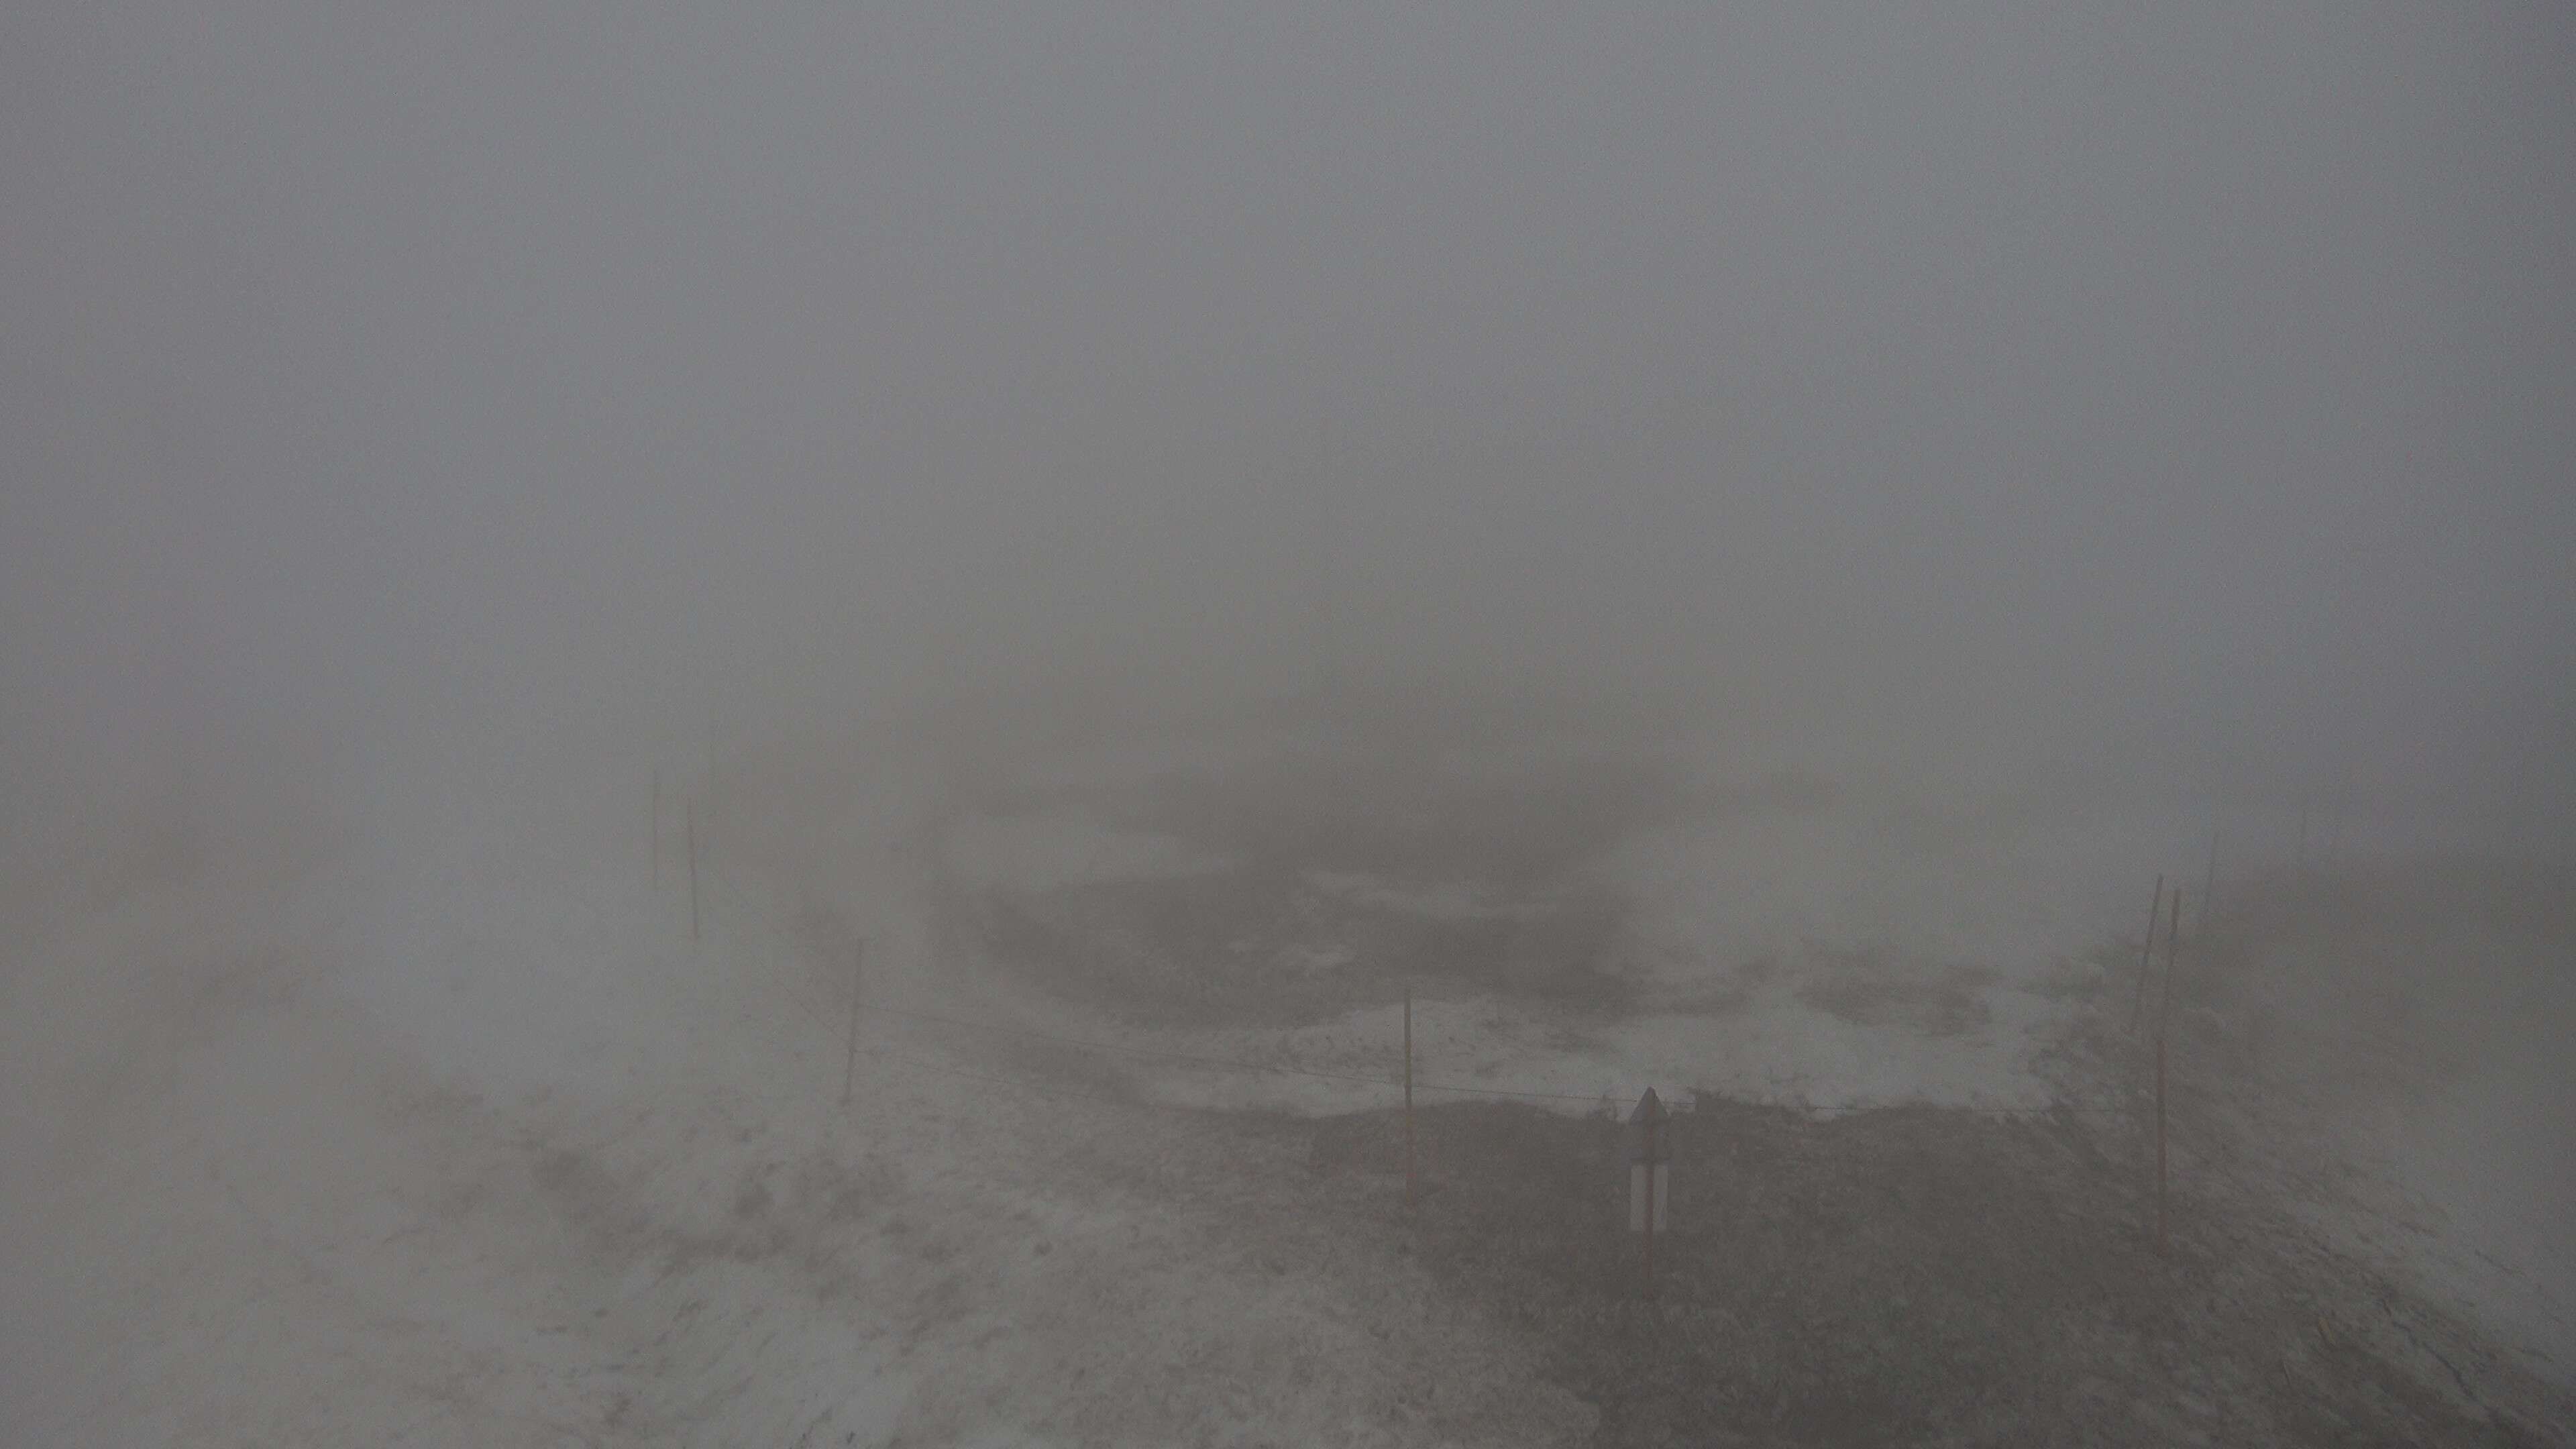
439,1128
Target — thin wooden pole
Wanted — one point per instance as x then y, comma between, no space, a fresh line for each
691,838
2147,954
2209,883
1408,1098
2164,1025
2160,1143
850,1064
2173,950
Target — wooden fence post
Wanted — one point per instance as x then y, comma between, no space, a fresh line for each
850,1064
1408,1098
2173,952
2209,883
2147,954
2164,1027
2160,1144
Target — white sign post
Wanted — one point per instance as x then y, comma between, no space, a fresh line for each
1649,1175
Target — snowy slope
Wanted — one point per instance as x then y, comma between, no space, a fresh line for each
441,1130
459,1141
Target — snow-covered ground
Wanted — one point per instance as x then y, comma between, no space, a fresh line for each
1876,951
1742,927
439,1128
454,1137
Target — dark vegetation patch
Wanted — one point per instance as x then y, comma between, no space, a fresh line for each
1236,946
1871,988
1714,988
1919,1275
1513,829
1264,939
802,1210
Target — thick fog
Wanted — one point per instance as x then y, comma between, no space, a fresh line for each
2184,397
803,722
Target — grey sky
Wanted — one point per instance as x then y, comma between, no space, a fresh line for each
1919,374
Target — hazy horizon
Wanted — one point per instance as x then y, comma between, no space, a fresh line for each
2123,397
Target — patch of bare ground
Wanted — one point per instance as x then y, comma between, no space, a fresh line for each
1873,988
1347,874
1925,1276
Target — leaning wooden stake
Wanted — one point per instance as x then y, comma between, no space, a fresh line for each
690,839
850,1064
2173,951
1408,1097
2146,955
